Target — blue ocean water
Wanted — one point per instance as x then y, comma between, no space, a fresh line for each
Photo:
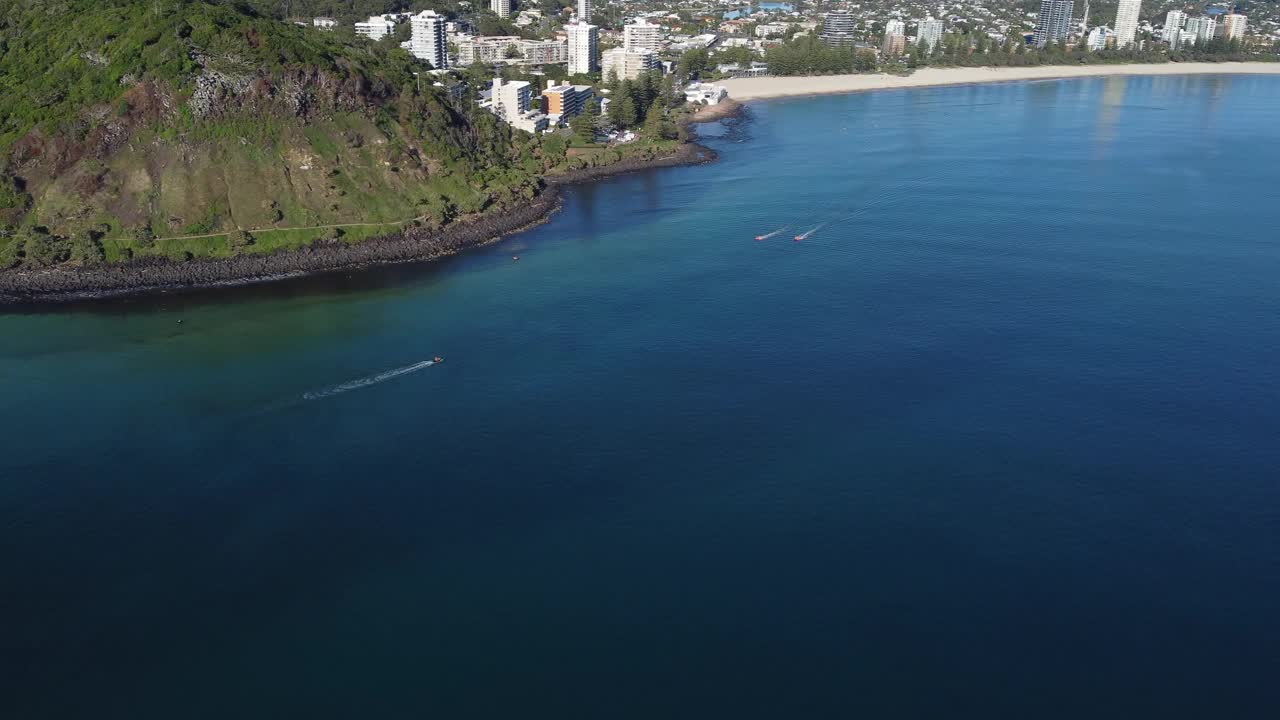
998,439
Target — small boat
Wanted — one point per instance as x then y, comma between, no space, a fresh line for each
437,359
515,257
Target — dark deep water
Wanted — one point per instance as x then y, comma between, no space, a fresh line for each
1000,439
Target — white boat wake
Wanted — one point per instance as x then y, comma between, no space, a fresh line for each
365,382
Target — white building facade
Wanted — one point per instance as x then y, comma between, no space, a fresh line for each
628,64
930,32
1127,22
1172,32
584,10
641,35
501,8
583,40
428,42
376,27
1098,38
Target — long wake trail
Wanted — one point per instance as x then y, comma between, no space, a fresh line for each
365,382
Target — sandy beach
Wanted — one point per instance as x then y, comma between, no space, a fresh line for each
743,89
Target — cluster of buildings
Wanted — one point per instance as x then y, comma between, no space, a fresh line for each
513,102
1055,24
638,54
1183,31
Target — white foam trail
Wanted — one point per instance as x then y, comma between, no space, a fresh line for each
766,236
805,235
365,382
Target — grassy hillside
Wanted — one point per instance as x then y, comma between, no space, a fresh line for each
144,127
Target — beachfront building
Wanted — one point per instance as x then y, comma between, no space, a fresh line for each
627,64
428,41
1172,32
1233,26
1201,27
837,28
565,102
930,32
1053,22
1207,31
1099,37
584,41
1127,22
584,10
705,94
641,35
376,27
895,38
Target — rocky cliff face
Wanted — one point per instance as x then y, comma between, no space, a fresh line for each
162,122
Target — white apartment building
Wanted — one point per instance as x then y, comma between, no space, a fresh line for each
544,52
428,42
1053,22
1127,22
489,49
1200,27
930,32
895,27
509,100
1098,38
324,23
376,27
767,29
584,10
1233,26
627,64
641,35
1172,32
584,41
486,49
501,8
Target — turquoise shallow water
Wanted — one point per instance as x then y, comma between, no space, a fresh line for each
998,439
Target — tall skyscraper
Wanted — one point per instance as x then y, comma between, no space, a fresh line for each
1054,21
501,8
930,32
1233,26
583,45
1127,22
584,10
837,28
428,41
641,35
1172,32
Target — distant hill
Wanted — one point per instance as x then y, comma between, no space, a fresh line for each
122,121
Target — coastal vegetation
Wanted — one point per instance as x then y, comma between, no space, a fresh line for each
134,129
